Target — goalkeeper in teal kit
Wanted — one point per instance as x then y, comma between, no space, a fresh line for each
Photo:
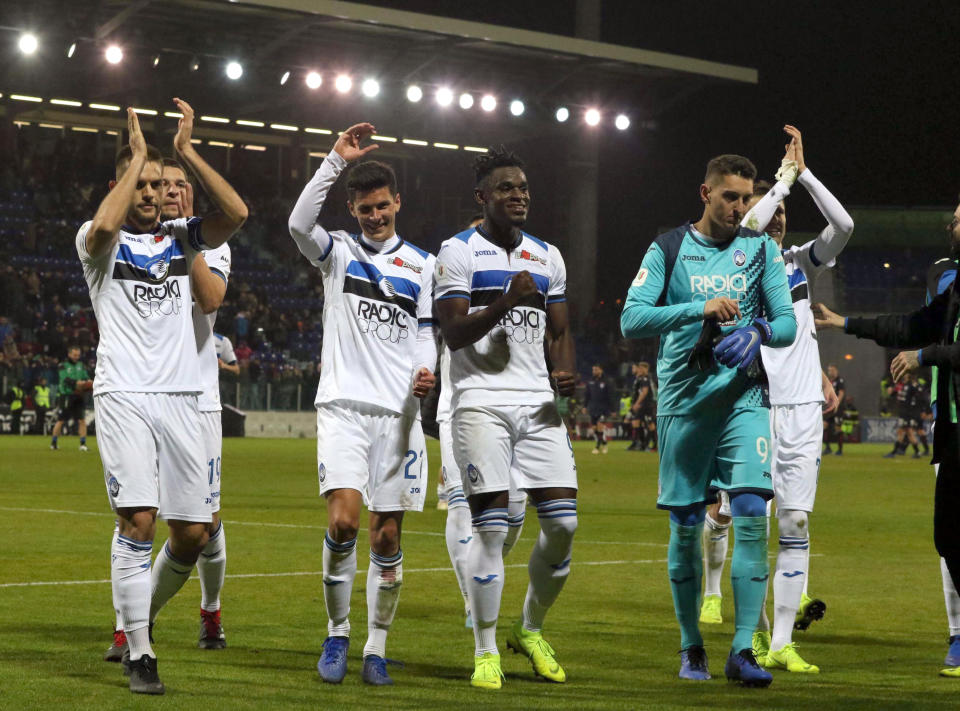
714,292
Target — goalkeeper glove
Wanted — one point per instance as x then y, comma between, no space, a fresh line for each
789,170
701,357
741,348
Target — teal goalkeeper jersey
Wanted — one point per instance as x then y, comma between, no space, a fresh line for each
749,268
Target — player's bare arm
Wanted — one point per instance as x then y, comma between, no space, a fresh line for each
562,352
460,328
824,318
102,235
229,367
231,210
830,400
208,289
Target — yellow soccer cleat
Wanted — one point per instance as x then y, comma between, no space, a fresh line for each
535,648
761,647
811,609
710,610
952,672
788,658
486,672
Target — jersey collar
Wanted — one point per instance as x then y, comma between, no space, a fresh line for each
137,231
490,240
388,246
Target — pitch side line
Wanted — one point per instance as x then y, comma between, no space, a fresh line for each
303,573
269,524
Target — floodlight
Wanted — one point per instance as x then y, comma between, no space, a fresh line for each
466,101
414,93
28,43
563,113
622,122
488,102
592,117
370,88
313,80
234,70
444,96
516,107
113,54
343,83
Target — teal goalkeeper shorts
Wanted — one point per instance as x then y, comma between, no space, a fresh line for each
701,454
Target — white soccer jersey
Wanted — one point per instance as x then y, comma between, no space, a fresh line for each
224,349
374,304
219,262
141,297
506,366
446,387
794,372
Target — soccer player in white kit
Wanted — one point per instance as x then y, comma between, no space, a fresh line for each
379,353
798,391
148,378
499,293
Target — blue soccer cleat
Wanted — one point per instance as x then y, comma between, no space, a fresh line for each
693,664
742,667
953,653
375,671
333,662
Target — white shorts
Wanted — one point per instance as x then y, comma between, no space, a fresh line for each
797,436
382,455
524,444
152,451
451,478
210,425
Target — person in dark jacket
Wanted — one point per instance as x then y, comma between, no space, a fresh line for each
932,331
599,403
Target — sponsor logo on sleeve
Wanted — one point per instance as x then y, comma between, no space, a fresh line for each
641,277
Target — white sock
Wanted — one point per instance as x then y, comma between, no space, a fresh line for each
384,580
459,531
116,606
211,567
793,563
516,511
130,576
550,559
339,570
169,575
485,576
715,543
951,599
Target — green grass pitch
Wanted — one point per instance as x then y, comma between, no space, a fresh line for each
880,645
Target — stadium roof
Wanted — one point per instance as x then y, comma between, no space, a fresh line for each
270,37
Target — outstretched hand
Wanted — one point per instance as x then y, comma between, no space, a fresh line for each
348,145
138,144
824,318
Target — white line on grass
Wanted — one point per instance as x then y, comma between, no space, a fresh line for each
270,524
301,573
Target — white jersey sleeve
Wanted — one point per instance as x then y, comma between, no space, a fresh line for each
218,259
452,271
557,290
225,349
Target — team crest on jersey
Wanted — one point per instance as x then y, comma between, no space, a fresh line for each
157,268
641,277
524,254
387,287
473,472
114,486
397,261
739,257
322,472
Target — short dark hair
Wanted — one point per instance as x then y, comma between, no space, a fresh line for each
730,164
125,155
495,157
74,345
370,175
174,163
761,187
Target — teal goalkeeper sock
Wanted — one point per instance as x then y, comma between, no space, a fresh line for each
749,571
685,567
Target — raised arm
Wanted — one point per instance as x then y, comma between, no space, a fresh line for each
231,210
102,234
643,317
312,240
759,216
208,288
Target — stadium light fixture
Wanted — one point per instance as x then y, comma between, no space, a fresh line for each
156,60
144,112
194,63
71,50
475,149
592,117
318,154
563,113
215,119
84,129
622,122
488,103
65,102
414,93
113,54
26,97
234,70
284,77
370,88
516,107
248,122
385,139
313,80
51,125
415,142
173,114
283,127
466,100
104,107
343,83
444,96
28,43
254,147
448,146
321,131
